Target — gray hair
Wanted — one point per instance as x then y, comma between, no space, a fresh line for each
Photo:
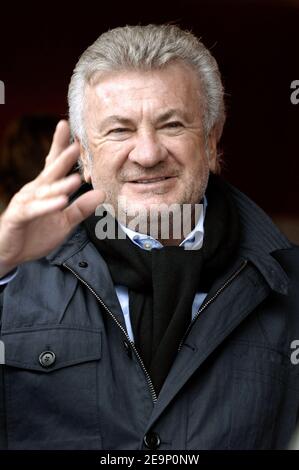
145,48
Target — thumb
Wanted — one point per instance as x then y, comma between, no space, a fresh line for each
84,206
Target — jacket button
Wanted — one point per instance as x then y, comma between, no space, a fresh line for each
128,349
152,440
47,358
83,264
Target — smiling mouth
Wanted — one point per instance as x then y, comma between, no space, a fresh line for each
151,180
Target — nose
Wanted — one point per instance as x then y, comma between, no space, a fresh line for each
148,151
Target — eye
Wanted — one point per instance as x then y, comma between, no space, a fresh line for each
173,124
118,130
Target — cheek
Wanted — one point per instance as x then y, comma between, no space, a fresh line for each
185,146
192,157
109,161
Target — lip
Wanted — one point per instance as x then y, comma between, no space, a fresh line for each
146,181
152,185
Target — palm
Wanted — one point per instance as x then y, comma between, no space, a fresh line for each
39,218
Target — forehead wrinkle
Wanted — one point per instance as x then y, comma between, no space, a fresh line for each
118,98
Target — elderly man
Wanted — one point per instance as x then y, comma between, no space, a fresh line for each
133,341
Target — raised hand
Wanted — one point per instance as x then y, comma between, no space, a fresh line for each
38,217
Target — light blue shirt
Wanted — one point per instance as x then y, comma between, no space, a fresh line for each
193,241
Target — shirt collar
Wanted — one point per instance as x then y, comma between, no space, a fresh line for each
193,241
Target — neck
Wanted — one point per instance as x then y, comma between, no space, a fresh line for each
169,229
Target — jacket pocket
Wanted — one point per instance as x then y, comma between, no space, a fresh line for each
260,380
51,388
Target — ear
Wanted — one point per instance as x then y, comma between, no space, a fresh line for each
85,159
212,152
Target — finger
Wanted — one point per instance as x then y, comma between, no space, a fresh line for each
61,141
61,166
84,206
36,208
64,186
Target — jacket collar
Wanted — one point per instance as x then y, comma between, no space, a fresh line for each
259,239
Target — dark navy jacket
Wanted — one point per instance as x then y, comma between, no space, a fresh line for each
73,380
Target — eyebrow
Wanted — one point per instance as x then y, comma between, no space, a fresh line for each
118,119
170,114
115,119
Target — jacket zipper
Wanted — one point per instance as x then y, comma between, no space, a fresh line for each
148,378
204,306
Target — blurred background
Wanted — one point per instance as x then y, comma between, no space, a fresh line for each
256,43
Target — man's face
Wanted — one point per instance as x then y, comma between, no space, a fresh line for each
145,136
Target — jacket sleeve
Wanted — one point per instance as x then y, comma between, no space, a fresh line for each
3,432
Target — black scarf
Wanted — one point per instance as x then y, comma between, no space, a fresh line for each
162,283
